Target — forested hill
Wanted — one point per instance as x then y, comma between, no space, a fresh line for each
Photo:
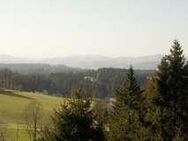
35,68
99,83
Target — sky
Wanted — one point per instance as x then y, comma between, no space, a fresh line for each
55,28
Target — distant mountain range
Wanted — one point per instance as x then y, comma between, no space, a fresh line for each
90,61
95,62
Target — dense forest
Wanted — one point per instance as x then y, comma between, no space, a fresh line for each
99,83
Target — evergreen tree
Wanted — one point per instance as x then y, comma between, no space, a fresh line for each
151,112
172,92
74,121
129,94
125,123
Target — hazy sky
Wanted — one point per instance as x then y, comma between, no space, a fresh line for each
49,28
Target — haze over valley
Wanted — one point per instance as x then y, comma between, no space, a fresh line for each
90,61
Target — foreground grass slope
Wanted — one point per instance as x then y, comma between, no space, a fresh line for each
13,104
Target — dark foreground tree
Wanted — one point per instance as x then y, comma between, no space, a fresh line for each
167,96
173,94
74,121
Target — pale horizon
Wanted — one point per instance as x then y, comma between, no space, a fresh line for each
80,55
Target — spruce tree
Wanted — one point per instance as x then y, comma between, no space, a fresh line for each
172,94
151,112
125,124
129,93
74,121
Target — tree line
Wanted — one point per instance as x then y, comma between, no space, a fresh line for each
99,83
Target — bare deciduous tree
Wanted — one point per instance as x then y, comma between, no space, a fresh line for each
33,118
3,132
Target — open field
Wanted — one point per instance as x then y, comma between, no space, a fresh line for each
12,106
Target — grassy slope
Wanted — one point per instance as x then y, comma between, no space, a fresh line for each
13,103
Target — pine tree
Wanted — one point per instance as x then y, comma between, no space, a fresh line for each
128,95
151,112
125,123
171,86
74,121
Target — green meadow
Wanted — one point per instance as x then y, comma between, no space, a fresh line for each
12,107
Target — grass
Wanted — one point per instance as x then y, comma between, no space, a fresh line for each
13,104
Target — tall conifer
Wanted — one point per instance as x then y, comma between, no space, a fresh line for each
171,88
125,124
